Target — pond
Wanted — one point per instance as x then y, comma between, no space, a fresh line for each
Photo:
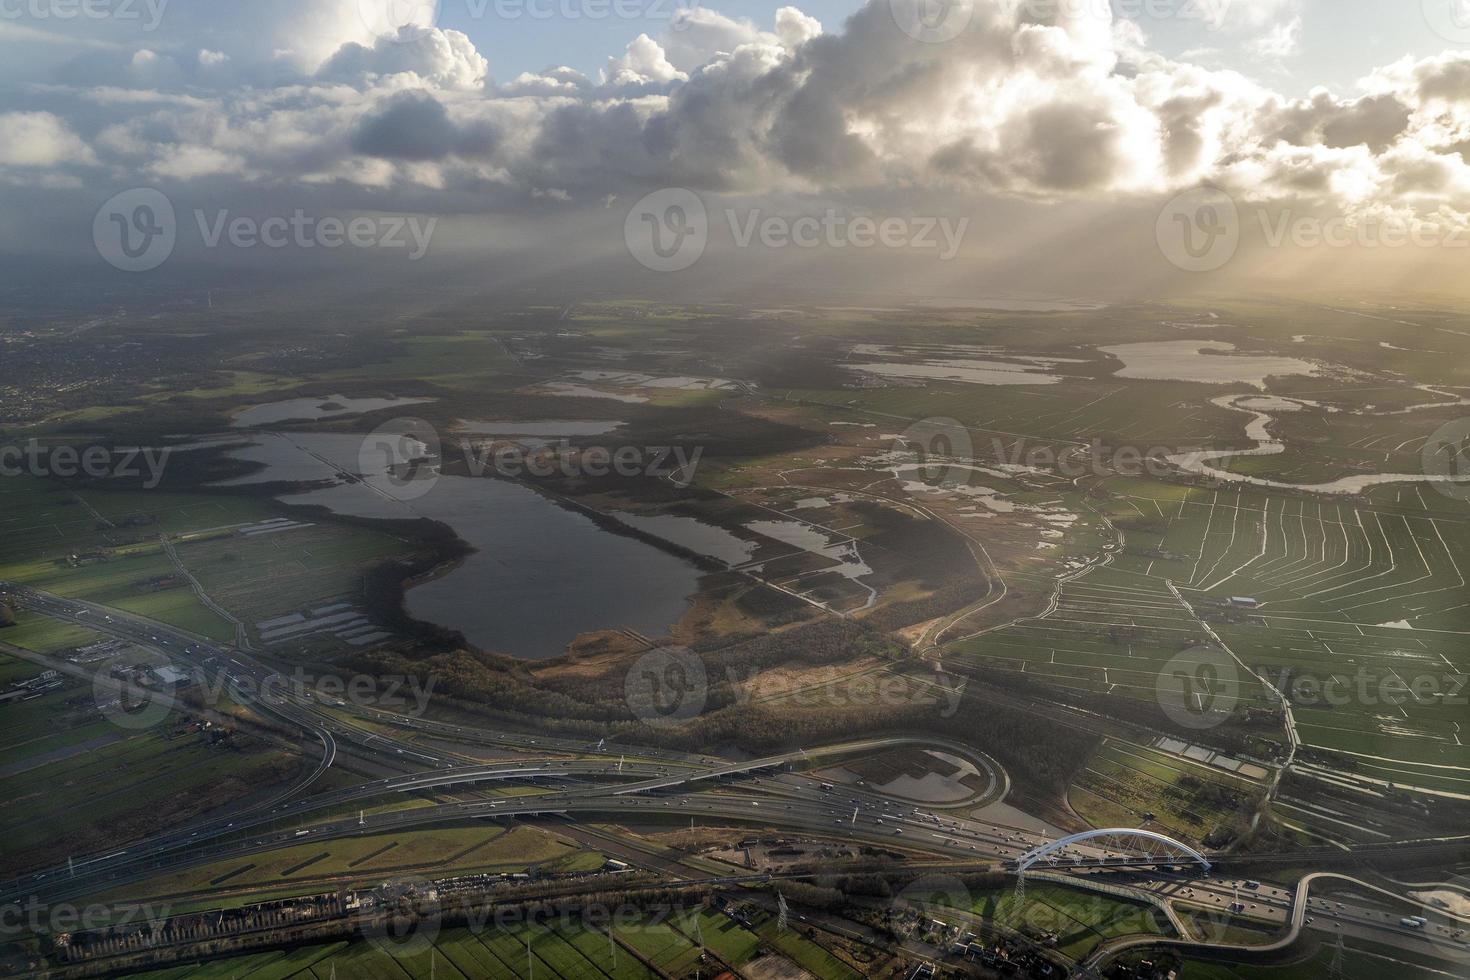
541,573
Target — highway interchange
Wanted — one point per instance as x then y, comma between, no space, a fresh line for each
633,783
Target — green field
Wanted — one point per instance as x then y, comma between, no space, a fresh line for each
564,948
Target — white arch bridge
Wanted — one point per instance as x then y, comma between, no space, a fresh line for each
1122,847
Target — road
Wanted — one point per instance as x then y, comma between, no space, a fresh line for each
626,782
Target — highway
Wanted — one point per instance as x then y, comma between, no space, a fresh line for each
626,782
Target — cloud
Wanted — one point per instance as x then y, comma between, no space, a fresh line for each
1253,13
441,59
642,63
416,126
1281,41
1062,108
40,139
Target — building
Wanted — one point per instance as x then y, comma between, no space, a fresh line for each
170,676
1244,602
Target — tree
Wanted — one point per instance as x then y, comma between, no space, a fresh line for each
7,615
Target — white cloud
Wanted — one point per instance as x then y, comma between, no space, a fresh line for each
795,28
1281,41
442,59
1254,13
643,62
1073,109
40,139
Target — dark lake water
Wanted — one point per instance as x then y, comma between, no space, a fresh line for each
541,573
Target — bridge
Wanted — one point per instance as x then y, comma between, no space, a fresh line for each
1133,847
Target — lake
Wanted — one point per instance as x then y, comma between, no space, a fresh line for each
541,573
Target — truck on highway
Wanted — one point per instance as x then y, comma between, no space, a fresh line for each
1413,922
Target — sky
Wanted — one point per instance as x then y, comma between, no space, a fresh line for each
572,126
1338,41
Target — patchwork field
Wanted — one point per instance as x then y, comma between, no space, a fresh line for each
661,944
